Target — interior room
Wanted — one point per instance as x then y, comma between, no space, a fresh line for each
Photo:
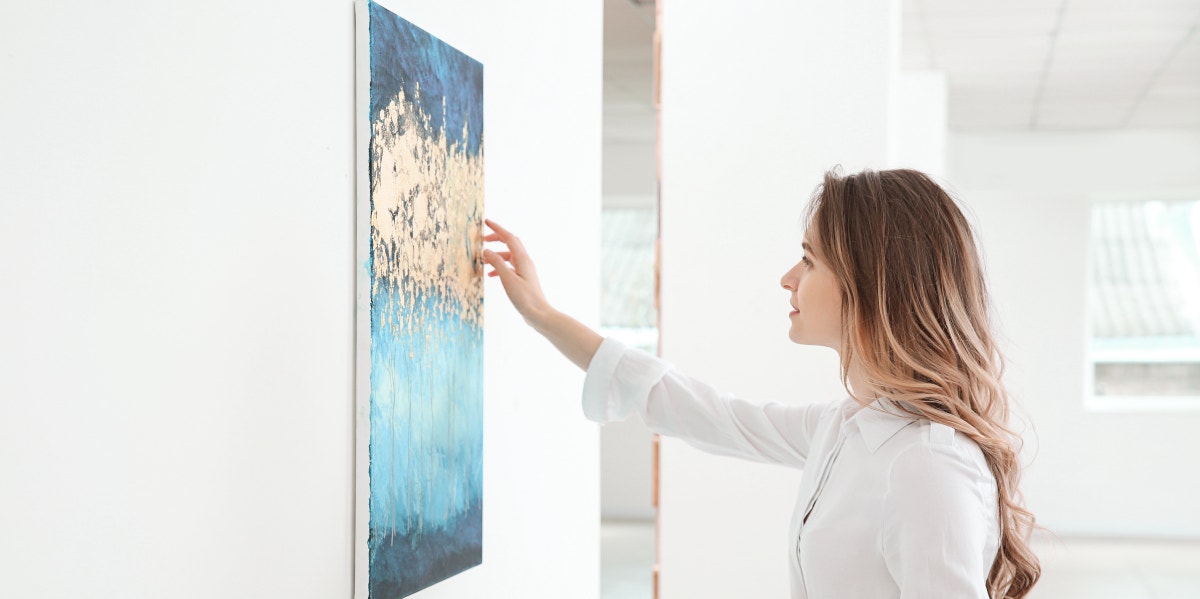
204,261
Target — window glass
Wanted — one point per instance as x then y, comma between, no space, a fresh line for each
627,270
1144,290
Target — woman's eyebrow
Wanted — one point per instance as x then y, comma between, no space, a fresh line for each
808,247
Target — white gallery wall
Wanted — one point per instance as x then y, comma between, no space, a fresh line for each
758,100
177,307
918,122
1099,473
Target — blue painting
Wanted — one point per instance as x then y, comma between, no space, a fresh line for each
424,279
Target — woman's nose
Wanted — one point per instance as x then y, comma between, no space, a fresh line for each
788,281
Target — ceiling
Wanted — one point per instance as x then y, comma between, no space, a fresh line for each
1017,65
628,72
1059,65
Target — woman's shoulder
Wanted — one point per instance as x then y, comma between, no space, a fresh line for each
932,445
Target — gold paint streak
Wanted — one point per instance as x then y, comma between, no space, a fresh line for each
439,188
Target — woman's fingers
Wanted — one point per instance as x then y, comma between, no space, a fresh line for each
494,259
516,249
502,234
515,253
506,254
495,227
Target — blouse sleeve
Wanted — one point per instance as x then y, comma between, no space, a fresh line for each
622,379
935,524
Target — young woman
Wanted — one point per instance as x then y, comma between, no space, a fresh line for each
910,484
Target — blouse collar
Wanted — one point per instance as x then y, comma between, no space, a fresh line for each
879,421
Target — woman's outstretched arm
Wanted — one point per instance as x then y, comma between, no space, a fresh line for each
622,380
573,338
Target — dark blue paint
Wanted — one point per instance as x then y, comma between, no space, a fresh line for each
403,54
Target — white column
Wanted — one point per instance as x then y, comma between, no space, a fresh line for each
759,99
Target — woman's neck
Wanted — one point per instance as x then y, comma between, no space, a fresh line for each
857,381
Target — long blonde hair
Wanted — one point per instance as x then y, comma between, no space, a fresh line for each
913,287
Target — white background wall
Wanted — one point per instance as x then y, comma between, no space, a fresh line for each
917,122
1090,473
177,315
749,125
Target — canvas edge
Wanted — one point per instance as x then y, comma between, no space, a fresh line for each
362,305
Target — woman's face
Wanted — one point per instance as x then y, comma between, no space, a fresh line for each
816,299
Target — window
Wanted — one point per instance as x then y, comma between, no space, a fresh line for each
1144,296
627,309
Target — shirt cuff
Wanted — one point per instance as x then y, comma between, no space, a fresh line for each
617,378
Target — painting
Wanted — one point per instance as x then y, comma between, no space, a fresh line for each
419,335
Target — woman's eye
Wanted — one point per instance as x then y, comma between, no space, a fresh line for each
806,260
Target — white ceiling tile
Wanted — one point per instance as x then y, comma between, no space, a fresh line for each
988,59
1169,91
977,25
1132,17
972,119
1093,114
1082,94
1117,36
1014,44
1008,54
1105,54
997,82
1126,4
1096,106
1014,91
1167,112
1137,56
981,7
1114,80
998,103
1122,83
1184,66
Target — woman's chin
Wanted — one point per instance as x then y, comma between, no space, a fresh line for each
800,339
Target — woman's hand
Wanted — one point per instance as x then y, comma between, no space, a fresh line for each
574,339
520,281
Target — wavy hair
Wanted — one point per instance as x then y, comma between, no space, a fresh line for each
911,277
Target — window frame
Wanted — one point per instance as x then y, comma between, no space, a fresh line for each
1145,404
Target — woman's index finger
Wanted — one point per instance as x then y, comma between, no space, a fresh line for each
495,227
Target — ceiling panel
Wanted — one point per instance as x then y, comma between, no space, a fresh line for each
1157,111
1100,64
629,115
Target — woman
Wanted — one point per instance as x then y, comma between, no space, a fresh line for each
910,483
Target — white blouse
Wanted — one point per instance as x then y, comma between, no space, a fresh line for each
893,506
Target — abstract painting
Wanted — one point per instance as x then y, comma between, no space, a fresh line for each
419,414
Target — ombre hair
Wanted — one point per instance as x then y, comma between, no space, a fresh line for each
916,319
